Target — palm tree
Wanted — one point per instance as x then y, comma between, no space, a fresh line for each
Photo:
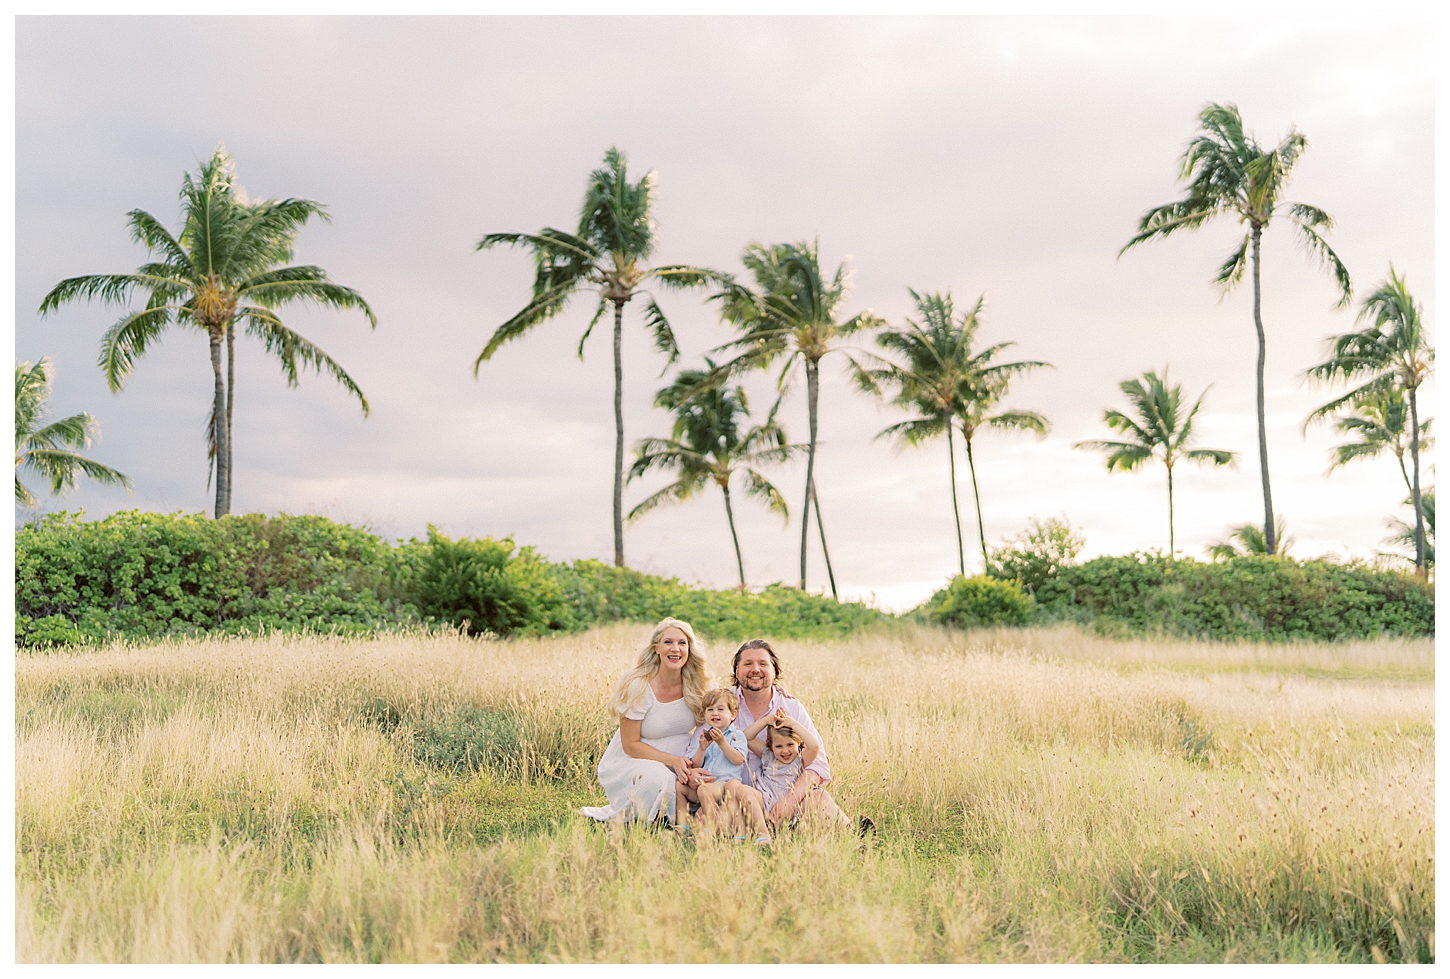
42,449
943,379
795,315
1404,534
1382,423
1161,431
1247,538
616,236
229,264
1393,353
707,445
1228,172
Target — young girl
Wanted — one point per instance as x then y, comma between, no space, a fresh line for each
784,753
722,754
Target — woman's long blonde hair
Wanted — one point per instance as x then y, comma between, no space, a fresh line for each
631,687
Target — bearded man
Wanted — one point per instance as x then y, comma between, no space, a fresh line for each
756,670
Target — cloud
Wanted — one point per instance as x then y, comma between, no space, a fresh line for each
1003,156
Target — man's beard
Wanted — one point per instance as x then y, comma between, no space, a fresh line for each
752,683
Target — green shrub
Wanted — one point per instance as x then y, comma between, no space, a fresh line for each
485,585
150,575
1246,597
979,601
1037,554
600,593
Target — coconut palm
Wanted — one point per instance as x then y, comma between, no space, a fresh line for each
1391,354
707,445
1404,534
615,237
943,379
1161,431
1246,538
229,264
1381,423
1228,172
794,314
47,450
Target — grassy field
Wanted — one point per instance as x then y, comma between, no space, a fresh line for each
1041,796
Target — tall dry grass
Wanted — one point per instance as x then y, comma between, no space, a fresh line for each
1041,796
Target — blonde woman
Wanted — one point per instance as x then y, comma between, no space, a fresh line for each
658,704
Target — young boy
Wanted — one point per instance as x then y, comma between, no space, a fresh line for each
722,754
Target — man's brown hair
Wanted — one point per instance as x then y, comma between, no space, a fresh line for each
754,644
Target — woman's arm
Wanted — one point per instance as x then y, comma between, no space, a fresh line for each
635,748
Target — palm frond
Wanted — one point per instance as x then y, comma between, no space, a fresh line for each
303,282
148,231
1329,261
127,340
111,289
64,468
75,431
681,277
677,492
1162,221
758,486
1027,421
1231,272
539,309
294,351
1216,457
548,241
664,337
1127,456
599,312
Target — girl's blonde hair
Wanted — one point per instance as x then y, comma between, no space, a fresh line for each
631,687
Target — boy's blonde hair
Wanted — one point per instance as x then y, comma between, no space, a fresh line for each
785,732
718,695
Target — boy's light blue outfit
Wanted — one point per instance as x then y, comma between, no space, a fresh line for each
719,766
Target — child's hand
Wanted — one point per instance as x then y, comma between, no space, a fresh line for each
779,717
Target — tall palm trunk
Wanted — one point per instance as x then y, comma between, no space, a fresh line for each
956,512
1405,473
977,496
1270,544
219,420
231,394
1172,543
730,516
1419,509
812,392
618,435
825,551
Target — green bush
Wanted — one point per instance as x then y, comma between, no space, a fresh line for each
1246,597
1037,554
484,585
979,601
150,575
599,593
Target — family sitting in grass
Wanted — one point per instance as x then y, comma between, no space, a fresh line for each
748,757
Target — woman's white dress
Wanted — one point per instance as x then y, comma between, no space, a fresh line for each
640,788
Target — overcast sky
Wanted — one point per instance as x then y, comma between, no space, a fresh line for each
1009,157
